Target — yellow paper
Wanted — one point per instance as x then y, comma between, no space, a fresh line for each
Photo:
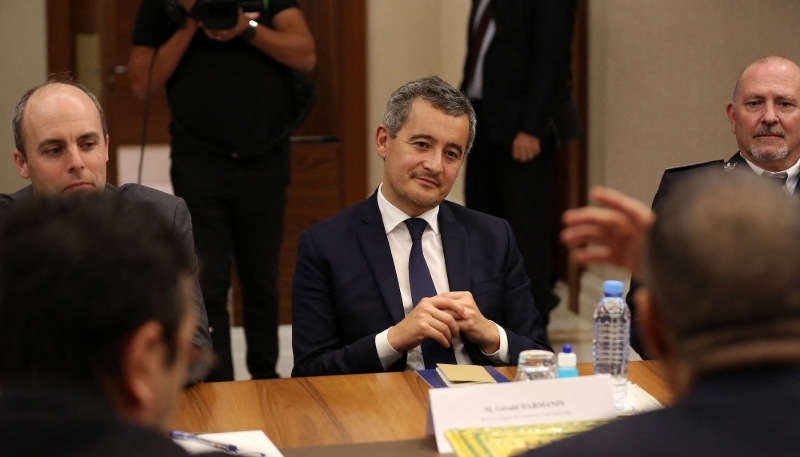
509,441
465,373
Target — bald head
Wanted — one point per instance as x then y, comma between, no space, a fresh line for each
775,59
721,264
17,121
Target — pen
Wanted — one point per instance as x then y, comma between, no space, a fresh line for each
186,436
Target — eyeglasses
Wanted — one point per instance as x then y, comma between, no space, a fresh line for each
201,360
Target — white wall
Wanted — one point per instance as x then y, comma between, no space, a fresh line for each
23,64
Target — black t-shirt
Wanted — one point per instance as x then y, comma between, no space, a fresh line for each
224,97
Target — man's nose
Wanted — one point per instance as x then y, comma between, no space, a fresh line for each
770,115
75,159
434,161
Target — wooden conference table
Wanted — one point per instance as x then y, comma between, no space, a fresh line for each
364,414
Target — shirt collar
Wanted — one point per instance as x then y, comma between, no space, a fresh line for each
793,173
393,216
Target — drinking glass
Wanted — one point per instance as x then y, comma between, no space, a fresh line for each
536,364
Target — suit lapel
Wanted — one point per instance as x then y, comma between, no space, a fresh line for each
456,249
372,238
737,164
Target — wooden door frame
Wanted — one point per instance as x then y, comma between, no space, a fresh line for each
353,55
577,151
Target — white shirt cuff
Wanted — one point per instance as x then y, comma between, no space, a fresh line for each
499,357
387,354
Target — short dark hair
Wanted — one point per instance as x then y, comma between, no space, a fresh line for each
19,111
721,263
435,91
78,275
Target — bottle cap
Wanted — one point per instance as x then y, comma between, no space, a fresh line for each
567,358
613,288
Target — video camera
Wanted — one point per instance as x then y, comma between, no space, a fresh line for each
224,14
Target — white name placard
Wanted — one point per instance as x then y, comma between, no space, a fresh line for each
519,403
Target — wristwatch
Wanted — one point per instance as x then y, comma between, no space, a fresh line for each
250,31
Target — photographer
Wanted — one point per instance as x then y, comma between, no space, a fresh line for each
230,96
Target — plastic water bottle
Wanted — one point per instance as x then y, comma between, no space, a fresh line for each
612,330
567,362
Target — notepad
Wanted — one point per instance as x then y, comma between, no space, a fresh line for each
463,375
251,442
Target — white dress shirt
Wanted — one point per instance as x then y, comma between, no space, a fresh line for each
400,245
793,175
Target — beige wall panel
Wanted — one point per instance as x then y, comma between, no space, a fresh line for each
23,60
660,75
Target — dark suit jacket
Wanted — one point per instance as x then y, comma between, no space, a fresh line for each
176,214
526,71
749,413
345,287
673,177
69,421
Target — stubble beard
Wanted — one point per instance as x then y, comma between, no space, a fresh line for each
766,151
418,199
768,154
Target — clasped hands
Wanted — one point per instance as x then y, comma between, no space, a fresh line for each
441,318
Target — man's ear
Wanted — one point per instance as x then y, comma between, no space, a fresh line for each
650,325
142,359
381,140
731,111
22,165
678,375
106,148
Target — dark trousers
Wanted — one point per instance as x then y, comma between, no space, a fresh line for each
497,184
237,208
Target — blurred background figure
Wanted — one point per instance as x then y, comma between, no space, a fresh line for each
229,76
715,307
95,343
517,74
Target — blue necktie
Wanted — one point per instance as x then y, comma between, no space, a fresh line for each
419,277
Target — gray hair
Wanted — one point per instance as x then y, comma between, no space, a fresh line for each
721,263
19,110
760,60
435,91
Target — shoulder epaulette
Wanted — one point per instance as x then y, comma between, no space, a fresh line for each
694,165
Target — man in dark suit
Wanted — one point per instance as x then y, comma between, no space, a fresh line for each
517,74
405,279
719,306
765,117
61,144
96,325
